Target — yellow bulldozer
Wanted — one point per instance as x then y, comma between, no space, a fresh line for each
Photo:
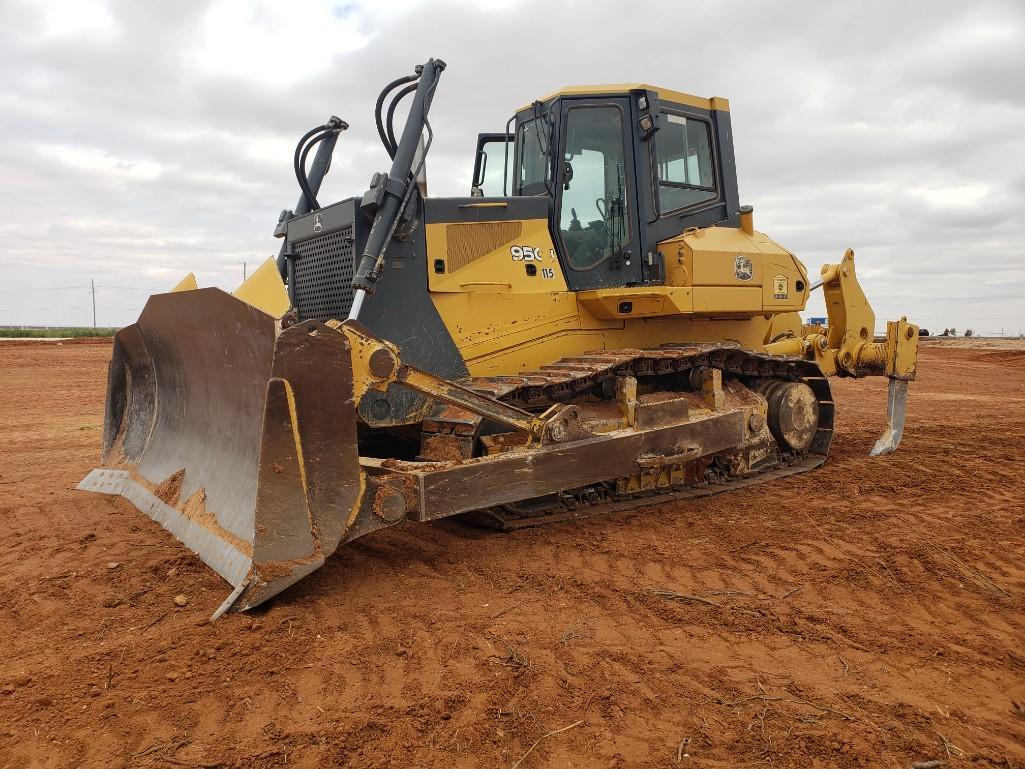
598,324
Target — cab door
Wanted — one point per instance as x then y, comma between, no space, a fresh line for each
596,195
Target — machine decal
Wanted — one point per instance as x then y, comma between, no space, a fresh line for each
744,269
779,287
547,273
318,223
526,254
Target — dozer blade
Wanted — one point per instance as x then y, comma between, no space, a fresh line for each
238,440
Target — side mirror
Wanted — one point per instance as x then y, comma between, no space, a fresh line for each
479,167
567,174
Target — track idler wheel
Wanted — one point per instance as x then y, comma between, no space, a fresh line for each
793,414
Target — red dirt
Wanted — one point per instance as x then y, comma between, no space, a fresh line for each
867,614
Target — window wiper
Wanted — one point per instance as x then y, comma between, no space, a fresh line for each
544,141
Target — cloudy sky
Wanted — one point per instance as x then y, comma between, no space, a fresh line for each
144,140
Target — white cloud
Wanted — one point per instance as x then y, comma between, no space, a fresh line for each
75,19
281,43
270,41
961,196
102,163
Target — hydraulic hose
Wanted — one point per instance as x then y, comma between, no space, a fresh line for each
390,123
299,161
390,147
309,184
303,177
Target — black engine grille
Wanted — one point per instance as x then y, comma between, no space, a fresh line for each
324,269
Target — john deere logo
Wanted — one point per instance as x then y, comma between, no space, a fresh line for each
318,225
743,268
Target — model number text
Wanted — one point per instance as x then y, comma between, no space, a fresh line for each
525,254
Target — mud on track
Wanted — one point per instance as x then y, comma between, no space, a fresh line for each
871,613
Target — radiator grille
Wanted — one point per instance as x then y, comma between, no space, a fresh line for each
469,242
323,276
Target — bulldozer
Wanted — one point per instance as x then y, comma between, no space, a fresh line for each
596,325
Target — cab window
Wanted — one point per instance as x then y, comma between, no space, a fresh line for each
531,158
683,154
492,167
593,207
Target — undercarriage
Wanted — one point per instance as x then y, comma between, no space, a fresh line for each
699,419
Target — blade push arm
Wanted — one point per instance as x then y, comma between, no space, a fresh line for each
848,346
376,363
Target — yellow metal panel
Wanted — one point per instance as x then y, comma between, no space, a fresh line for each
506,322
665,94
786,285
509,333
848,309
265,290
646,301
482,324
723,256
640,333
722,284
494,257
904,361
679,262
727,301
784,325
188,283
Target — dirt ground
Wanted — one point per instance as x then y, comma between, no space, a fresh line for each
974,342
868,614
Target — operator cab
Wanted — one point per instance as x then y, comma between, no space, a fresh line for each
624,168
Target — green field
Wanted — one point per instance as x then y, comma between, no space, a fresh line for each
49,333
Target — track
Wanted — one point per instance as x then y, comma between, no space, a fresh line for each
569,379
583,503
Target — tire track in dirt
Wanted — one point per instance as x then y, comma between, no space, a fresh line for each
866,588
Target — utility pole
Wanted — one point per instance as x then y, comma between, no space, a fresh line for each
92,285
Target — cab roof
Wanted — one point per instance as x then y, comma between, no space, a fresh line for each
664,94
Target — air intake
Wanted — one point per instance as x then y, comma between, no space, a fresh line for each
469,242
